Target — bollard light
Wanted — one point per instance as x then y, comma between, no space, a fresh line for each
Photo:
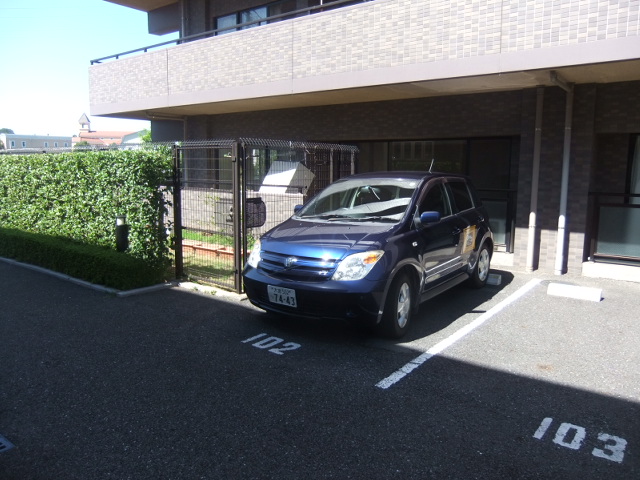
122,233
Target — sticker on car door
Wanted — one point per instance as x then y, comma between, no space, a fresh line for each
469,236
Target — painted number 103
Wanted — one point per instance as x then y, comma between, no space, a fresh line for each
572,436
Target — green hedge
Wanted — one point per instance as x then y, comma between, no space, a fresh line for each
92,263
77,195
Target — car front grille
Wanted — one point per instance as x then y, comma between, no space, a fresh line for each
297,268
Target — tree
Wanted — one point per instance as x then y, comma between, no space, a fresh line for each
146,135
6,130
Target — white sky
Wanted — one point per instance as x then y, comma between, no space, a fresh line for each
46,48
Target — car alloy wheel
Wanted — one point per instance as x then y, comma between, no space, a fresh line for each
398,307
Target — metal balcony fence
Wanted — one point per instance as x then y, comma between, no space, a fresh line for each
253,22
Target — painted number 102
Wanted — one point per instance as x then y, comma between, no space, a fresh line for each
272,344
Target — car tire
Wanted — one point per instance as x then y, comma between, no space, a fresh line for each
398,307
480,271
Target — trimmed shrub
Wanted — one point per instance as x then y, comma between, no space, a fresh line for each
92,263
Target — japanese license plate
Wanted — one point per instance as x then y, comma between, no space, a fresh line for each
282,296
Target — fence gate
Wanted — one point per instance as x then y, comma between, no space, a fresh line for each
229,192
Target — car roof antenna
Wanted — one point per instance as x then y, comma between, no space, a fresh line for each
431,166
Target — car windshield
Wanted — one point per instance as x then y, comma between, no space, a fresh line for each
362,200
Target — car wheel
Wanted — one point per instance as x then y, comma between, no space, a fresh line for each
398,307
480,272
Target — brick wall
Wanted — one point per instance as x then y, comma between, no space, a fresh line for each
598,160
477,115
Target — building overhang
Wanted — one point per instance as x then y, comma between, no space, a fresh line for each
624,71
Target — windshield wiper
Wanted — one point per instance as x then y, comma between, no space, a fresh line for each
329,216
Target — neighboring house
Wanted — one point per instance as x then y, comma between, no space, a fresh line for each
537,100
103,138
13,141
134,138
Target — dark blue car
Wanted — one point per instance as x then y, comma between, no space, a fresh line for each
372,247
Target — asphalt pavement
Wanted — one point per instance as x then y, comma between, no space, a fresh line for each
504,382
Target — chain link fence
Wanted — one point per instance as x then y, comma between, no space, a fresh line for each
227,193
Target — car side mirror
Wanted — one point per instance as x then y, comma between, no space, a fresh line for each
429,217
426,218
296,209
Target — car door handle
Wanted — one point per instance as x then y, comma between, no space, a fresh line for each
456,231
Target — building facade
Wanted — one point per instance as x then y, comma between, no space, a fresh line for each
13,141
538,101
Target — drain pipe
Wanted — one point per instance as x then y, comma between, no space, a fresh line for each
564,185
535,175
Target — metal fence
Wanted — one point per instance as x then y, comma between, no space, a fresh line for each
229,192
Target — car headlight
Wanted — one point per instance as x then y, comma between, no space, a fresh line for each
357,266
254,256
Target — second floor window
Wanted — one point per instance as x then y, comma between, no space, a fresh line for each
253,15
280,7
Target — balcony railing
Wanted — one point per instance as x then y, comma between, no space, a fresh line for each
239,26
615,227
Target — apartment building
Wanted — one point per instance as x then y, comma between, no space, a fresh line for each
538,101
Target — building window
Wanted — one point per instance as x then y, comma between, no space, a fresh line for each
46,144
24,144
227,22
634,178
487,161
446,155
254,15
13,144
55,144
257,15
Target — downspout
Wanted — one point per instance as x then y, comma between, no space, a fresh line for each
564,185
535,175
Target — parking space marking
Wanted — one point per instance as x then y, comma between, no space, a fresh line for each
573,436
267,343
447,342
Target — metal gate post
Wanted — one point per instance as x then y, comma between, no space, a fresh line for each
331,167
177,212
237,159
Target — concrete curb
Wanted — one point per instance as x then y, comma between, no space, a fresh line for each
574,291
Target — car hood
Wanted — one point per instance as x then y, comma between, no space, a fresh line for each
330,240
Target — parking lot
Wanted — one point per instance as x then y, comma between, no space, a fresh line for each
503,382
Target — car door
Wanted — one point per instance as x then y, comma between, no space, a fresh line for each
437,242
466,217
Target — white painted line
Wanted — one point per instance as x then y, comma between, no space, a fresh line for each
574,291
5,444
447,342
